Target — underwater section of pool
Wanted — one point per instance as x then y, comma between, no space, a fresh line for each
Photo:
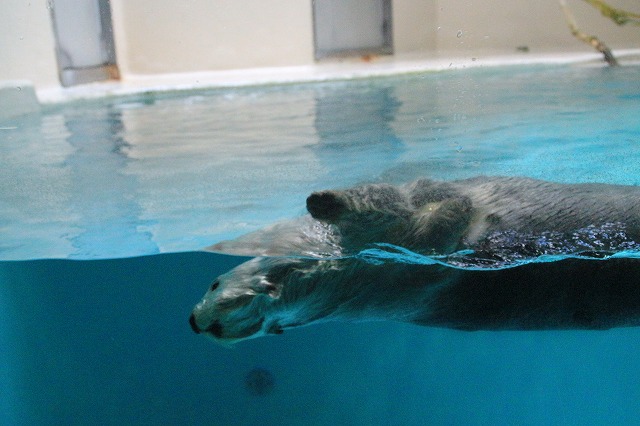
107,342
104,206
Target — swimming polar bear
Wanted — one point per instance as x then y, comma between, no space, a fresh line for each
442,217
267,295
487,214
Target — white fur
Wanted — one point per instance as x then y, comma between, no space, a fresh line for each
316,279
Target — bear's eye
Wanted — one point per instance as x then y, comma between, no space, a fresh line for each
215,285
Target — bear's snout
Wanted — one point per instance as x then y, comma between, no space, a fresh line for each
324,205
192,323
215,329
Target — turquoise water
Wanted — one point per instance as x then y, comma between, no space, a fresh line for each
105,204
107,342
172,173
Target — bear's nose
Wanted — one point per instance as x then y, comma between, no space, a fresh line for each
194,326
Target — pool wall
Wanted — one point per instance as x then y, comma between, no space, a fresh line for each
199,36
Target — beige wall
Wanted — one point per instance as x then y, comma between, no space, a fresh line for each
490,25
414,25
172,36
199,35
27,48
154,36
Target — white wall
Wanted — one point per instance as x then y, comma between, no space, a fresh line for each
27,47
172,36
414,25
158,36
500,25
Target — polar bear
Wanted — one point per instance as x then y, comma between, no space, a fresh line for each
266,296
315,276
433,217
486,214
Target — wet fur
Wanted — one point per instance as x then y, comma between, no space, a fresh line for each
441,217
268,295
568,294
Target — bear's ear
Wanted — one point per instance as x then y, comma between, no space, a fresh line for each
325,205
273,281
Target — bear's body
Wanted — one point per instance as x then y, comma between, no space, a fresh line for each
267,295
441,217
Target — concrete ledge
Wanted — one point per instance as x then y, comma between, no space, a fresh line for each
346,69
17,97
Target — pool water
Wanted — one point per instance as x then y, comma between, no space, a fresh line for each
178,172
105,205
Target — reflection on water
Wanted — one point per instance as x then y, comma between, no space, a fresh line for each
173,173
106,210
35,212
355,130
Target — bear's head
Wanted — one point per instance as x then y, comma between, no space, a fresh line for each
421,216
377,213
266,295
238,304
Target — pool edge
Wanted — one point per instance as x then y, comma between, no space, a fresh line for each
347,69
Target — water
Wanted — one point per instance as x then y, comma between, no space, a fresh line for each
158,174
107,342
103,205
